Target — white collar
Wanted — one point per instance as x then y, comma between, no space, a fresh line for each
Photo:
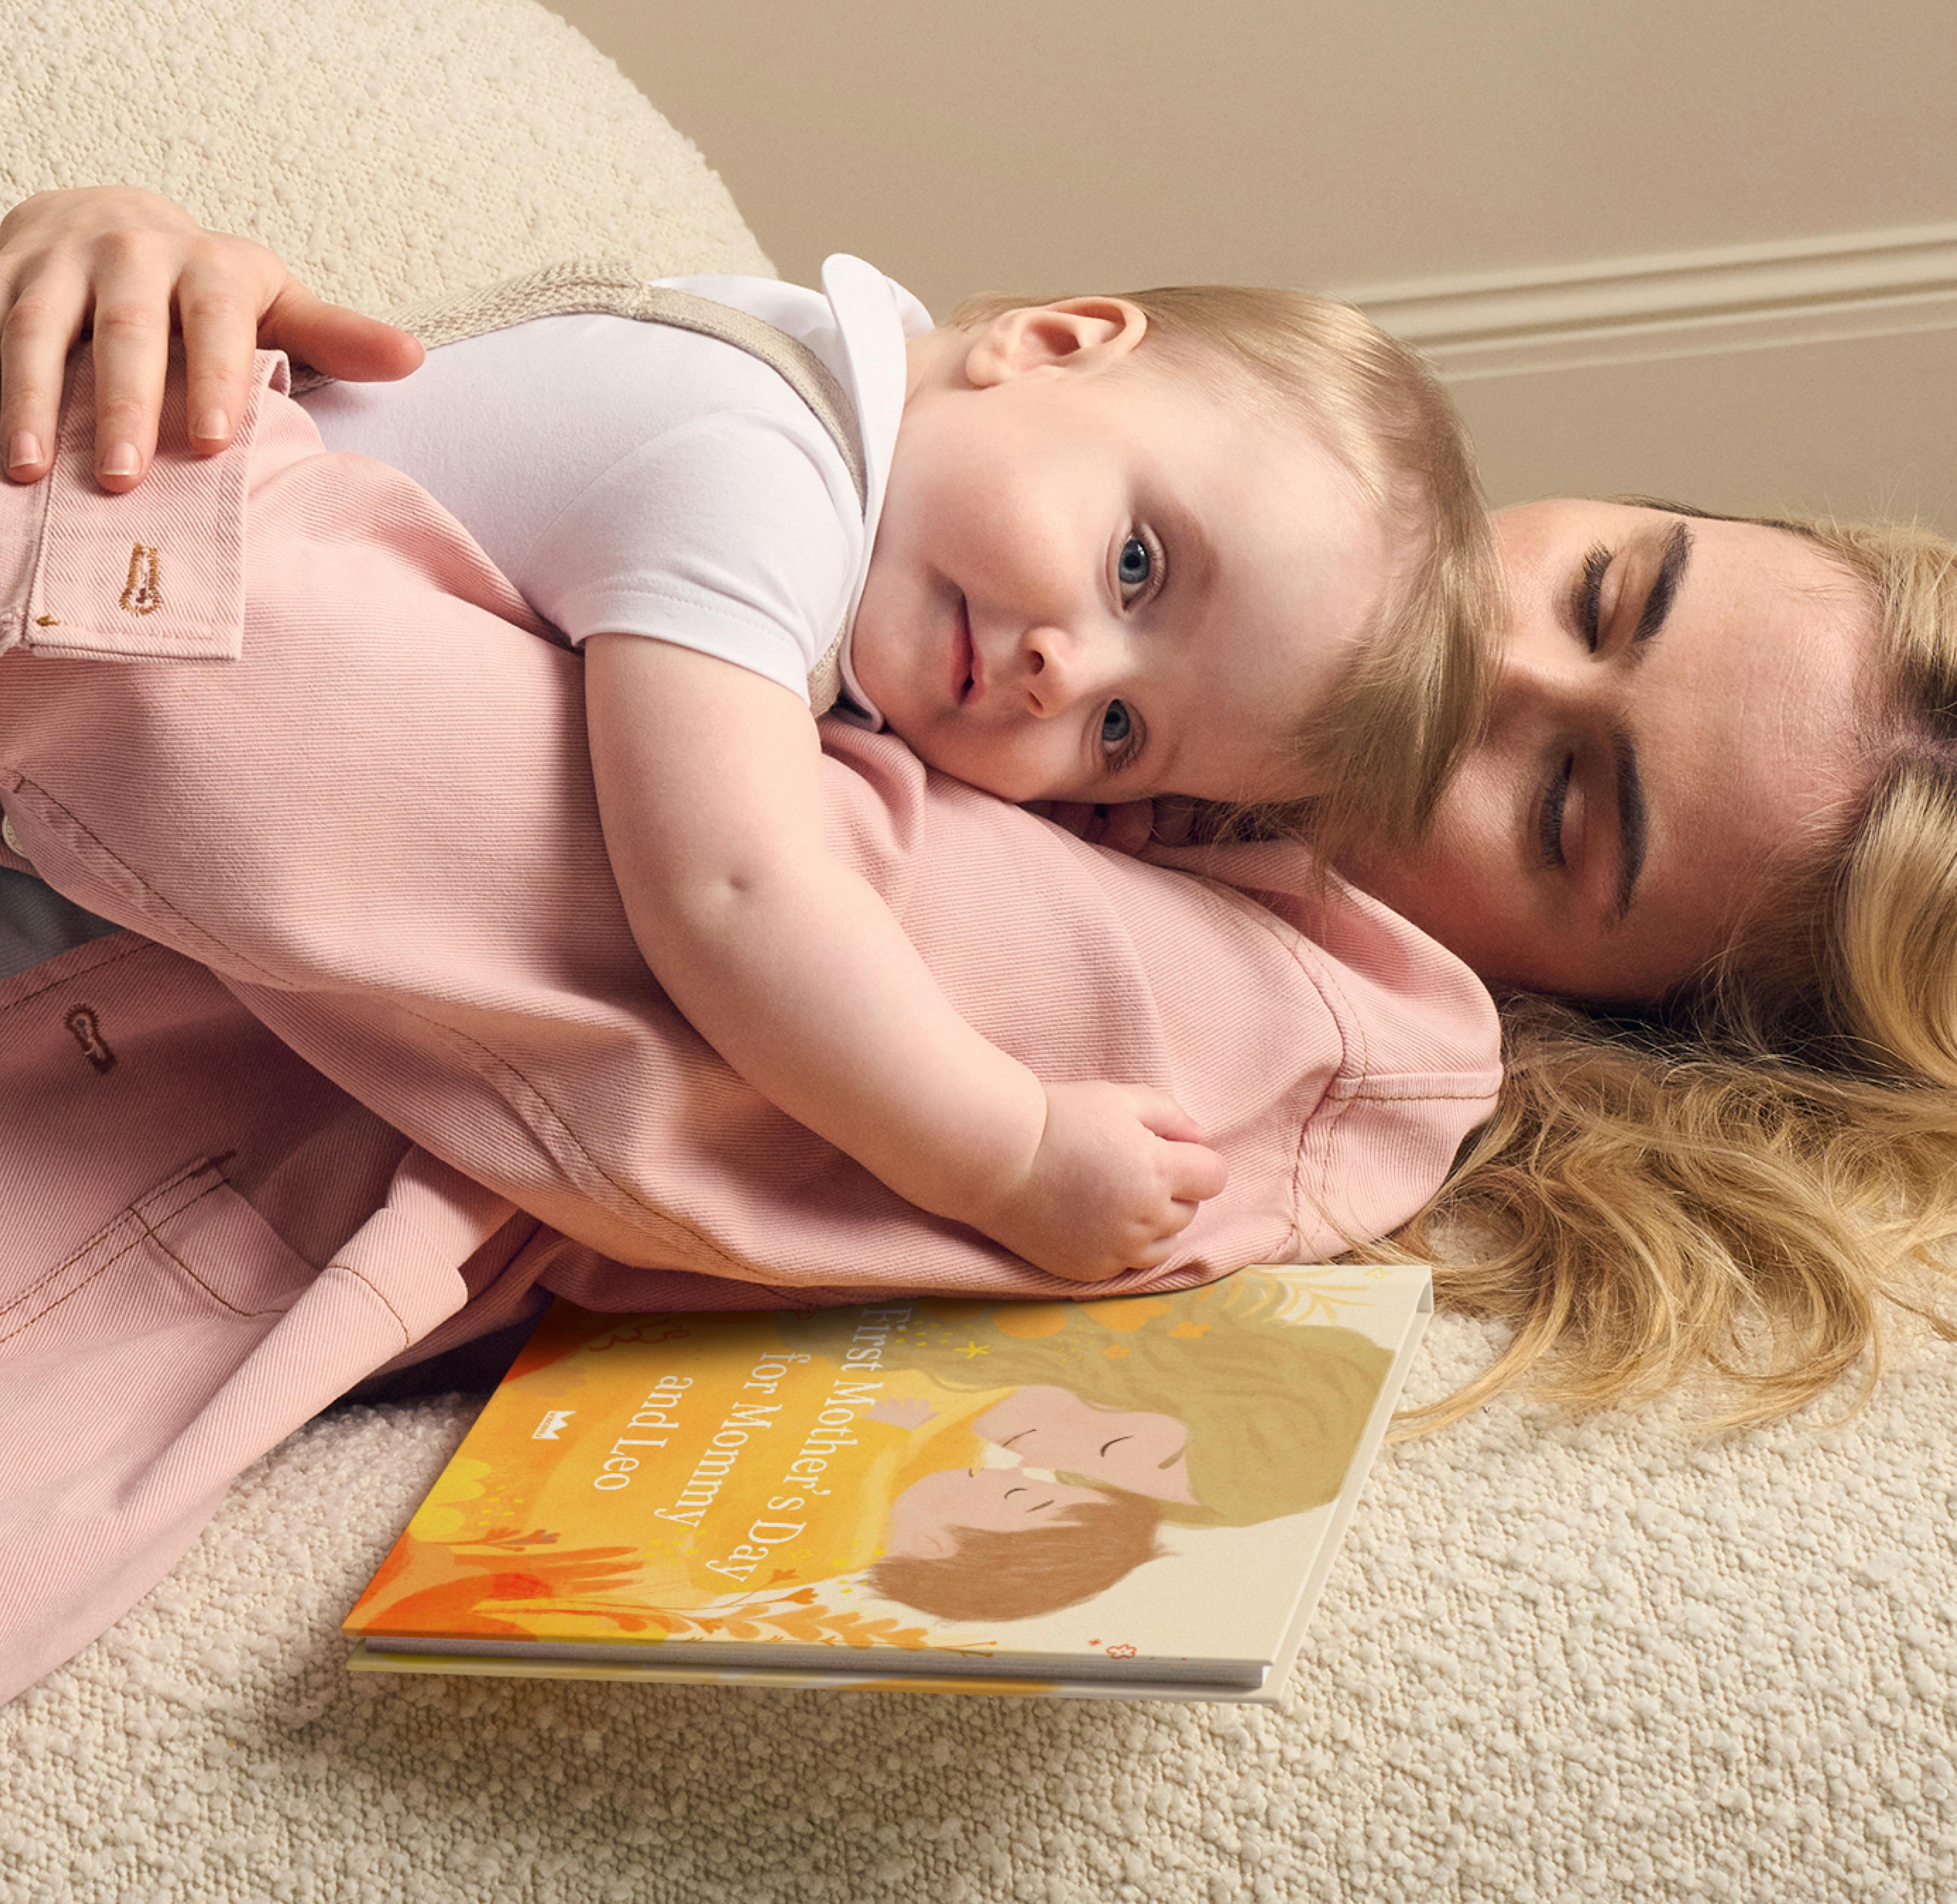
874,316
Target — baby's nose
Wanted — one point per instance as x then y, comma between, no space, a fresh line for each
1063,668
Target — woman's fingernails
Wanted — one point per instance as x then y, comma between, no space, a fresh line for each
121,460
24,452
211,427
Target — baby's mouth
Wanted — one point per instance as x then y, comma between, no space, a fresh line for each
966,670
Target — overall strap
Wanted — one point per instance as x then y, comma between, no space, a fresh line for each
581,285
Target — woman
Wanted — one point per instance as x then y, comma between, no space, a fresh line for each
1715,802
1261,1419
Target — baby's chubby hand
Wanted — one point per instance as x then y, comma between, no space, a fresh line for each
1117,1178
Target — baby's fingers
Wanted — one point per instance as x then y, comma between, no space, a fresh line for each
1152,1250
1077,817
1196,1173
1160,1113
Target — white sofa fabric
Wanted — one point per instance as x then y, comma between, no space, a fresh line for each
1556,1660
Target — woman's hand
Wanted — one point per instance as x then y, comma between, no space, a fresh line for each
1126,827
127,259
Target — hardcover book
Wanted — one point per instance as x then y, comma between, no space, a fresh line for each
1134,1498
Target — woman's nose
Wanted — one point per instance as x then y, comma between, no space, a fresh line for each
1535,677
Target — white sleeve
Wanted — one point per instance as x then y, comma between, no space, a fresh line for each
723,535
629,477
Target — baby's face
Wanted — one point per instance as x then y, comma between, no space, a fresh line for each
1104,584
925,1517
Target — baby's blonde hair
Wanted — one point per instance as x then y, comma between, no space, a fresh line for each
1415,694
1738,1185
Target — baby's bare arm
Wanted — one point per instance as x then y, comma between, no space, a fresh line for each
129,264
790,965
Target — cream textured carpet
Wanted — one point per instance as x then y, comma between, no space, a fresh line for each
1551,1663
1554,1662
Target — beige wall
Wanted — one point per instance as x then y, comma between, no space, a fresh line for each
1114,142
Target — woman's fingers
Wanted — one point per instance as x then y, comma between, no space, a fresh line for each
1127,826
42,322
217,308
132,288
131,265
337,341
108,256
331,338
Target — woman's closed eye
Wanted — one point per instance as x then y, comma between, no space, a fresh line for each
1586,608
1549,819
1601,602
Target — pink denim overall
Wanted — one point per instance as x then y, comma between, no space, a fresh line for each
276,714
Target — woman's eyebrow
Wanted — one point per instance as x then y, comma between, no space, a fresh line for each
1634,832
1659,598
1632,838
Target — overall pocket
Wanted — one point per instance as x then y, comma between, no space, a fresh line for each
188,1252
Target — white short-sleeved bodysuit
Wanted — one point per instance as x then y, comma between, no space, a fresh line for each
638,478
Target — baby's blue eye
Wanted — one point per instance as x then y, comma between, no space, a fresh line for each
1115,725
1135,564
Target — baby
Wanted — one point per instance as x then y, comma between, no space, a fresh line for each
987,1543
1216,543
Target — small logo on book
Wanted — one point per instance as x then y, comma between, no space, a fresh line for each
552,1426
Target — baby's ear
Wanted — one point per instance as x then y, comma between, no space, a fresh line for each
1076,334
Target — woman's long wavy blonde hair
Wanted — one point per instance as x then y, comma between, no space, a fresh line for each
1742,1181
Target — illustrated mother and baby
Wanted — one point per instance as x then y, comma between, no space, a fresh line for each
1116,1418
1681,789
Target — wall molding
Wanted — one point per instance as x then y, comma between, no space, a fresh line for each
1674,304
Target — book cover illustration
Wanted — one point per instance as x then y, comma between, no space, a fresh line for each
961,1487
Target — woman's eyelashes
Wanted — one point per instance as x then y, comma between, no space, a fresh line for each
1549,818
1587,608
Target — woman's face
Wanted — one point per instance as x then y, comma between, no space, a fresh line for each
1677,701
1053,1428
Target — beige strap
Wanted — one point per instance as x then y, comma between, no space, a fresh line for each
581,285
